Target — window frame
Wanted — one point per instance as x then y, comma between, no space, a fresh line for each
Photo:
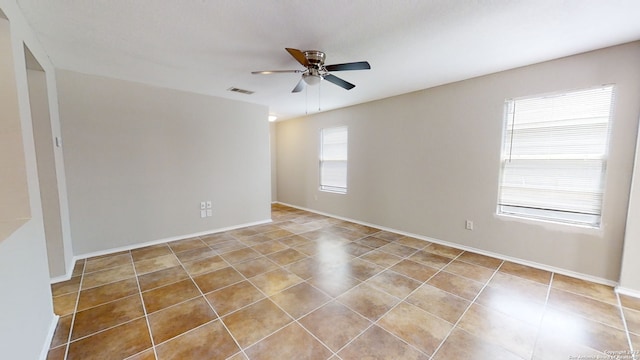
554,215
321,161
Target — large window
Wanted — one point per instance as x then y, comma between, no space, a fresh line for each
554,156
333,159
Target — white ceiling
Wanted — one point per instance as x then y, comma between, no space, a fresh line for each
207,46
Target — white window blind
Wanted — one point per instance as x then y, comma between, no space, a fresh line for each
554,156
333,159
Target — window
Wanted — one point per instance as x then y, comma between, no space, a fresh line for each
333,159
554,156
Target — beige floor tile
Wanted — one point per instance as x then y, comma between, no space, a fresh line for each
64,304
186,244
217,279
500,330
430,259
210,341
196,254
175,320
514,305
586,288
482,260
155,264
165,296
106,293
443,250
368,301
462,345
469,271
393,283
162,277
335,324
374,242
234,297
334,283
253,267
583,331
57,353
103,277
202,266
586,307
287,256
96,264
150,252
439,303
377,343
104,316
237,256
275,281
413,242
456,285
414,270
291,342
63,329
630,302
116,343
526,272
416,327
300,299
269,247
255,322
381,258
556,346
519,287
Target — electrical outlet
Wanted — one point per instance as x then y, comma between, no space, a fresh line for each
209,205
468,224
209,212
203,213
203,205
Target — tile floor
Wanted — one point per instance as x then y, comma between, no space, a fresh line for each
312,287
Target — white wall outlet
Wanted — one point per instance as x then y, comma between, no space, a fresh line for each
209,212
468,224
203,213
209,205
203,205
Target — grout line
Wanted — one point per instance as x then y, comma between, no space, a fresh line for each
75,309
626,328
144,308
544,312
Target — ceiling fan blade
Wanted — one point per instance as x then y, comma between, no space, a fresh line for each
267,72
299,56
336,80
298,87
360,65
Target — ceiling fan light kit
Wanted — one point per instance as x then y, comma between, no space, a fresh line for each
313,61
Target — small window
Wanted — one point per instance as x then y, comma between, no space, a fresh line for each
333,159
554,156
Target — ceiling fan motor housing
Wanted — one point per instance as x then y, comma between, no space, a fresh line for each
315,58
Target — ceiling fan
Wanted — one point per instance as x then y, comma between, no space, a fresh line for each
316,70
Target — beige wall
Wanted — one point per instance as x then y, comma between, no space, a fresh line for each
424,162
26,310
139,160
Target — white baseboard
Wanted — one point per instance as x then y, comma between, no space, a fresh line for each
532,264
629,292
67,276
47,343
